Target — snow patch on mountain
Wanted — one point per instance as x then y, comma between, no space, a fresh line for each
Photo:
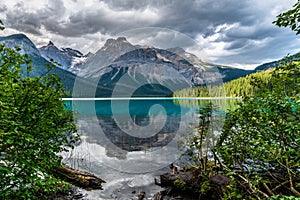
67,58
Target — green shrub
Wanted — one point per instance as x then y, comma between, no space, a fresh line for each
34,128
260,141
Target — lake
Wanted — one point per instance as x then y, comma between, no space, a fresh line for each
130,141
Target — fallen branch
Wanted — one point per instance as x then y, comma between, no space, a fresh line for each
78,178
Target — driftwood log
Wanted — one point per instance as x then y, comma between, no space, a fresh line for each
78,178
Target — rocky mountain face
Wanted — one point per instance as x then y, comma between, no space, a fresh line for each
69,59
125,68
27,47
159,71
39,63
152,67
21,41
112,49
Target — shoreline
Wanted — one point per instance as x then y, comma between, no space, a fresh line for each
147,98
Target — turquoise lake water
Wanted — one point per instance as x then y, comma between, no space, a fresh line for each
129,142
141,106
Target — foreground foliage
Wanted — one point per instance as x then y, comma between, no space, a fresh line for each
34,127
290,18
260,141
258,148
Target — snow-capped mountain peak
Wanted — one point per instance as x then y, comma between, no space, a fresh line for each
68,58
118,58
111,50
72,52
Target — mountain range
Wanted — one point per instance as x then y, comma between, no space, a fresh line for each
120,68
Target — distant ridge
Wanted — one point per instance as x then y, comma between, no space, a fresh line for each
118,57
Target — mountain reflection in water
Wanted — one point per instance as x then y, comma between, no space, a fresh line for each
129,142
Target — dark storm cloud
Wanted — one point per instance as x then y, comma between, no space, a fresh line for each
189,17
234,30
237,44
241,37
32,21
27,22
201,16
111,17
114,16
259,51
87,22
100,18
185,12
80,22
104,19
131,4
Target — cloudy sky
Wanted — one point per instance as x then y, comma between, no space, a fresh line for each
231,32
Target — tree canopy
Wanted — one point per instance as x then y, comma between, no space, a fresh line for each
290,18
260,139
34,127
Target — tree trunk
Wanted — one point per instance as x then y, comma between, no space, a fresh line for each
78,178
